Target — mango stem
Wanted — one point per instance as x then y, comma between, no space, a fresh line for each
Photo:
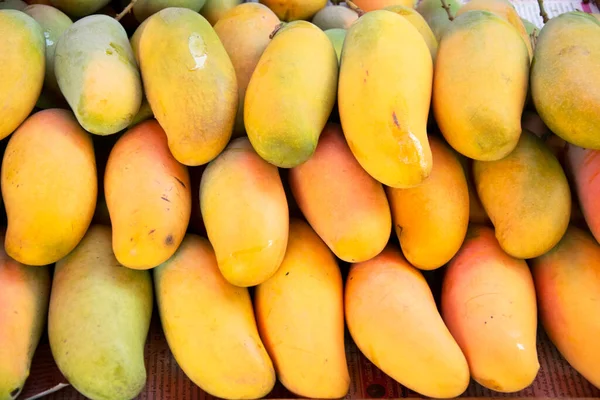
543,12
446,7
125,10
277,29
355,8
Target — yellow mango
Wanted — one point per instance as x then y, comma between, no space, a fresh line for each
244,32
291,10
431,219
300,316
418,22
335,17
49,187
142,9
384,98
22,47
214,10
300,66
489,305
526,196
394,321
189,82
148,197
436,16
209,325
79,8
478,104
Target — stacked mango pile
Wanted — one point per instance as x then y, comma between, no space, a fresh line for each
232,172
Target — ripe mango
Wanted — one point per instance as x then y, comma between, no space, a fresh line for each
478,104
526,196
142,9
345,206
300,316
23,62
79,8
244,32
392,317
565,83
371,5
418,22
214,10
477,213
245,213
49,187
148,197
384,98
99,319
97,74
300,66
337,37
431,219
436,16
489,305
291,10
209,325
335,17
190,83
24,294
567,281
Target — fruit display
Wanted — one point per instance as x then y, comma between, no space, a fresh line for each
276,181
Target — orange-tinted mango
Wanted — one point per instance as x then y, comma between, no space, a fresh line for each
291,10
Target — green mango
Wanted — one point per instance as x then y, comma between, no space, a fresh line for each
143,9
337,37
436,16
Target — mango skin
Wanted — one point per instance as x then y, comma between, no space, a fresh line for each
302,307
337,37
285,133
214,10
99,319
143,9
148,197
24,295
49,187
345,206
371,5
335,17
79,8
436,16
245,212
209,325
527,198
292,10
567,281
22,47
565,83
418,22
196,82
478,105
96,72
393,319
489,305
244,32
384,98
13,5
431,219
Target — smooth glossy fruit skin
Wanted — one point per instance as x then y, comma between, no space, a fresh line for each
337,37
245,212
436,16
371,5
530,27
418,22
214,10
489,305
49,187
335,17
24,294
291,94
300,317
79,8
189,82
99,319
345,206
96,72
431,219
209,325
384,98
526,196
244,31
565,83
567,281
478,105
22,58
143,9
291,10
148,197
393,319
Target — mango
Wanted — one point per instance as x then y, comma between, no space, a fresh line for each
24,294
97,74
436,16
531,29
79,8
12,5
214,10
49,187
393,319
148,197
371,5
565,83
477,213
345,206
300,316
335,17
99,319
526,196
567,282
244,32
142,9
209,325
478,104
489,305
291,10
431,219
23,63
337,37
144,113
291,94
384,98
245,212
189,82
418,22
